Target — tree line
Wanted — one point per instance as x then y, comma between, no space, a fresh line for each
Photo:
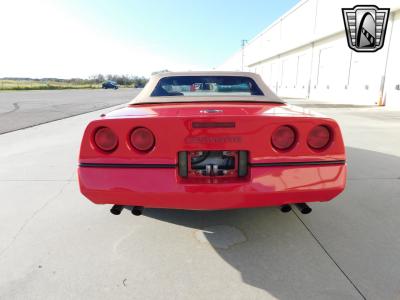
128,80
124,80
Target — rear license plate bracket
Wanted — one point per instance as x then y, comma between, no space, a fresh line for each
214,163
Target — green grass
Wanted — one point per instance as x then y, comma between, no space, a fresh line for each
23,85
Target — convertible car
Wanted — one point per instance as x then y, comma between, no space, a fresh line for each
210,141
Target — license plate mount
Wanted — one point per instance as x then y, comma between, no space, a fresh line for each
214,163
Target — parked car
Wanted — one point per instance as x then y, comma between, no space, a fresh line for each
230,142
110,85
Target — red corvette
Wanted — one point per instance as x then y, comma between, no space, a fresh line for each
208,141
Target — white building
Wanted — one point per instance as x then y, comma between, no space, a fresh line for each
304,54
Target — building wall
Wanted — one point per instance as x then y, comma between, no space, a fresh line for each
304,54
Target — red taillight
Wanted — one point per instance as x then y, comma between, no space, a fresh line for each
319,137
106,139
283,138
142,139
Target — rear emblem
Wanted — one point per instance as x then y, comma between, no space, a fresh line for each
213,139
211,111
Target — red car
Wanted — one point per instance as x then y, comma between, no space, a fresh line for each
208,141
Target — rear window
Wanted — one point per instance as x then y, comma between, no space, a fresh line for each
206,86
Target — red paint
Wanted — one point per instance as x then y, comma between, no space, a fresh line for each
142,139
172,127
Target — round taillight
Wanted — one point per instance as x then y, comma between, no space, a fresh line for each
283,138
319,137
142,139
106,139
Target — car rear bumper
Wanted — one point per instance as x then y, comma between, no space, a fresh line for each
163,188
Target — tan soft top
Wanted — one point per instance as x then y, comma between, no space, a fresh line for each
145,95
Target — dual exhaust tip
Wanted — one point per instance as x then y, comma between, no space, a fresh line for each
138,210
302,207
117,209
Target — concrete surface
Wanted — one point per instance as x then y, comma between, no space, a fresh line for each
22,109
54,244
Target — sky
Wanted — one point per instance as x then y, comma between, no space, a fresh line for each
78,38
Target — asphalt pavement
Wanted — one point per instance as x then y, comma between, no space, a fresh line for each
22,109
55,244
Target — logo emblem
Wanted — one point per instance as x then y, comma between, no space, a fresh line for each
211,111
365,27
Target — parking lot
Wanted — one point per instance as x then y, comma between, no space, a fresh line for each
24,109
54,243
